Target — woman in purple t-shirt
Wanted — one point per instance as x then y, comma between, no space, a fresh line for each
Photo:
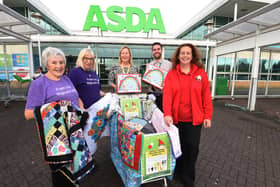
52,86
85,79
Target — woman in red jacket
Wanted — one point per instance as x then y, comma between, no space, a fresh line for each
187,104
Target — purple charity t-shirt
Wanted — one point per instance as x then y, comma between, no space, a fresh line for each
44,90
87,84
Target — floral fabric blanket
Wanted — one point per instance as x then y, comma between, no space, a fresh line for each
96,126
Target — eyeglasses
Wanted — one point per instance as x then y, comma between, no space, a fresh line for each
86,58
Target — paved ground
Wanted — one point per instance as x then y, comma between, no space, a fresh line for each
242,149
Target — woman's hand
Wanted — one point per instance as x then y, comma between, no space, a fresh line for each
101,93
168,120
81,105
207,123
114,86
28,114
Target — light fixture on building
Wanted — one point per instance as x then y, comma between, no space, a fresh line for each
37,16
209,24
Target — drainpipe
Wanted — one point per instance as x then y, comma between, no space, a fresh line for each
235,11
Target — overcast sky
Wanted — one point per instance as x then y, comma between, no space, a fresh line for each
175,13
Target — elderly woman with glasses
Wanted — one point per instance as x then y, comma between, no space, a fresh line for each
85,79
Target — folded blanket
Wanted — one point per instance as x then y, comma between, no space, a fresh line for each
59,120
129,143
53,132
96,126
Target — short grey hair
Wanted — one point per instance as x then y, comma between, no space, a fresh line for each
51,52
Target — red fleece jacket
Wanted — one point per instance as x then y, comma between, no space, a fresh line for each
200,95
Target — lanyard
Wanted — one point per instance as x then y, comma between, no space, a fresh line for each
158,64
128,68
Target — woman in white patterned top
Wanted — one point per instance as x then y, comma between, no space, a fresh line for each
125,66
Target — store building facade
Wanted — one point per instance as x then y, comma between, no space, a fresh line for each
106,44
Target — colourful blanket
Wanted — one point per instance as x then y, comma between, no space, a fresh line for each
72,119
129,176
96,126
129,143
53,132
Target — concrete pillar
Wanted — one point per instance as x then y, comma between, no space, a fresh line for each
233,75
254,75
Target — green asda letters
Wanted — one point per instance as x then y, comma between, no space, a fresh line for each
118,23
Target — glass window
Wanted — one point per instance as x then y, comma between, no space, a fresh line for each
264,62
169,51
197,33
244,61
275,77
275,62
224,63
220,21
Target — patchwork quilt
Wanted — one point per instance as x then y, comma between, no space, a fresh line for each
60,132
53,132
129,143
122,159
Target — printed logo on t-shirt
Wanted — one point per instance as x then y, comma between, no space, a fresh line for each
64,90
91,81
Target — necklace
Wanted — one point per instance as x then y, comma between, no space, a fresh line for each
128,68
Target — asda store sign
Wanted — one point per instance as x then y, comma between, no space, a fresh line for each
117,22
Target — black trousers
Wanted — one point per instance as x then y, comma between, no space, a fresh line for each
185,164
159,101
58,179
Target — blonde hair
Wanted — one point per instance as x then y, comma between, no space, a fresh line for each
130,59
51,52
84,52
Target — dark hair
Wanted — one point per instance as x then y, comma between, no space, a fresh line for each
157,43
196,57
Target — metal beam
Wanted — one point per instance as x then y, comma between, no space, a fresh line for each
266,37
21,18
11,23
14,34
259,23
235,32
246,18
118,40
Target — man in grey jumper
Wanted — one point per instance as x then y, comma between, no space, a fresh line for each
163,64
